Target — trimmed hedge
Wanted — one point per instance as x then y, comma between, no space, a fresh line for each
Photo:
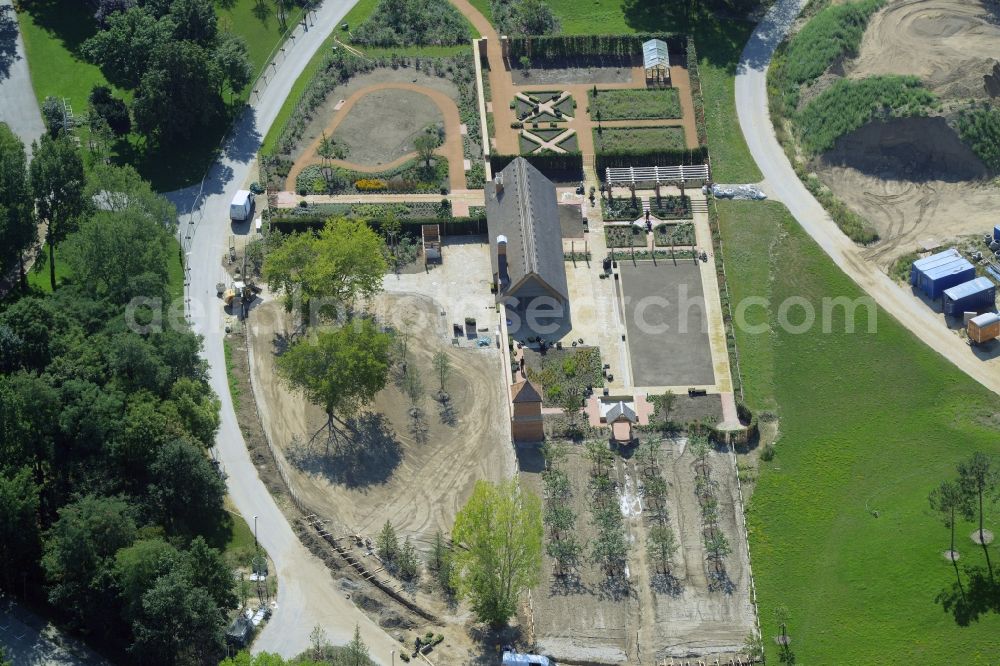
455,226
556,166
590,49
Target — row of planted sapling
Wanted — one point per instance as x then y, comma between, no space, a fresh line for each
716,544
609,549
559,519
661,543
409,380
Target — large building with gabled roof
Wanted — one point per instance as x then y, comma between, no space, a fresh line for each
525,239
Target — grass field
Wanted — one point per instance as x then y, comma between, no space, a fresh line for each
719,44
52,37
868,422
629,139
635,104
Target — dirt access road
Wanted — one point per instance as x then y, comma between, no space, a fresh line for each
307,596
755,122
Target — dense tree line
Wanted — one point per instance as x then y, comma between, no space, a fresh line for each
105,485
175,58
404,22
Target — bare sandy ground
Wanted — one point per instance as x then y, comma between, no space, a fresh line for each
913,215
914,179
949,44
417,483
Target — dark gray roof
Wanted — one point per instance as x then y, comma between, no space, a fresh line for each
521,206
619,410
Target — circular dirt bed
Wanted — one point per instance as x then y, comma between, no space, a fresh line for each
947,43
381,126
985,538
951,555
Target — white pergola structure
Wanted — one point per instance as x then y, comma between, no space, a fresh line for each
656,174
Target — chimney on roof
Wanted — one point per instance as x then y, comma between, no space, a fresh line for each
498,184
501,245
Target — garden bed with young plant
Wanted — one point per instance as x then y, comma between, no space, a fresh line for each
625,235
634,104
565,372
665,235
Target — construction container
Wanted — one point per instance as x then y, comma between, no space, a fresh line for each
984,328
996,233
933,274
972,296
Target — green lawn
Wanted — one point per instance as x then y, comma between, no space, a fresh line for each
53,33
234,384
637,139
260,28
484,8
38,275
869,423
585,17
635,104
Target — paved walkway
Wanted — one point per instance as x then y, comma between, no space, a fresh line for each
752,107
18,104
461,200
451,149
501,86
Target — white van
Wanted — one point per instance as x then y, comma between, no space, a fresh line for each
242,206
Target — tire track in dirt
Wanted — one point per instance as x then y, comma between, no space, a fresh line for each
432,479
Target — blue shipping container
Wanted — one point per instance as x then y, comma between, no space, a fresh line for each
921,265
996,233
934,280
972,296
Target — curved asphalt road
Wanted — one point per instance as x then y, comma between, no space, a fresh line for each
306,595
18,105
755,122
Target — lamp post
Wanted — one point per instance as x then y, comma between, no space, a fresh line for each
255,546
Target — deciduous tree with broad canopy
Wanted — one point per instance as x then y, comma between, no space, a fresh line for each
498,539
341,369
328,270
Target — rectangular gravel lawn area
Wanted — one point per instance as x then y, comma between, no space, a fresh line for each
627,139
637,104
